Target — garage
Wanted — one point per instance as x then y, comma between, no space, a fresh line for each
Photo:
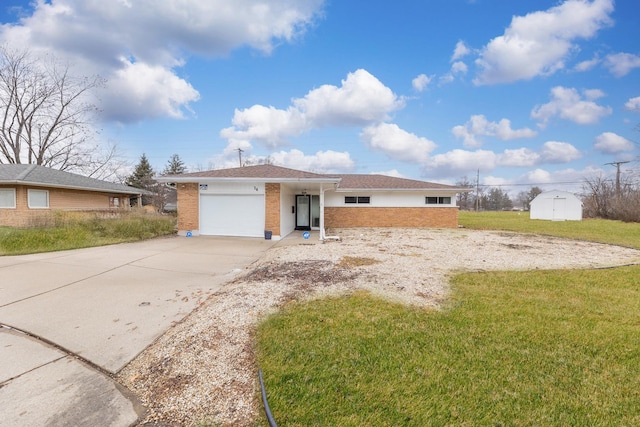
232,215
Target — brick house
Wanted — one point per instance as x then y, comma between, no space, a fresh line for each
29,193
253,201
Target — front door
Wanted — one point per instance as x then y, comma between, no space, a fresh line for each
303,212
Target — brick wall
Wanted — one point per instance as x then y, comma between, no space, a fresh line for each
272,208
348,217
188,206
59,200
73,199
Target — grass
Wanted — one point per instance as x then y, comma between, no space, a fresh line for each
595,230
81,231
509,349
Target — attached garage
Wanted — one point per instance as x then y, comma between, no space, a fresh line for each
232,215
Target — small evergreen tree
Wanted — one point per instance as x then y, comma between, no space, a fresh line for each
142,176
175,166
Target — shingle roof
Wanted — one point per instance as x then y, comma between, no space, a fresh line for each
384,182
258,171
347,181
46,177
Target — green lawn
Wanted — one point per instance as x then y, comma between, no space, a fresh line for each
597,230
73,232
510,348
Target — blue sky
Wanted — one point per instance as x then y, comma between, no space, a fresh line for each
528,92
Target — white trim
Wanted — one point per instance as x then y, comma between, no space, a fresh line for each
30,191
14,197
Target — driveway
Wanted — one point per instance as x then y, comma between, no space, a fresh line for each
71,319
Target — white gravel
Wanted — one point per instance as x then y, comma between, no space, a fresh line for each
204,369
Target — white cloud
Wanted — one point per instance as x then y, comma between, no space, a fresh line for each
457,162
522,157
621,64
611,143
360,100
421,82
397,143
138,91
154,37
478,126
446,79
393,172
570,178
540,42
459,67
460,162
633,104
568,104
587,65
559,152
268,125
461,50
322,162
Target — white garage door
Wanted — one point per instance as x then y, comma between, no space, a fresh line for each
232,215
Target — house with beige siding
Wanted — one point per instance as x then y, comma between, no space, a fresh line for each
273,201
29,193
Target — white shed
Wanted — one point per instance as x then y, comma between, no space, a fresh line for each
556,206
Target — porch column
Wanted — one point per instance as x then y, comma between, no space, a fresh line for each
321,234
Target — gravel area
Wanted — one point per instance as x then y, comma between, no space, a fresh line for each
203,368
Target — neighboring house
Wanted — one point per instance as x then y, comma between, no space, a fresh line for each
556,206
30,192
267,200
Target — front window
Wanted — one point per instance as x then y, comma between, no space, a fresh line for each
7,198
38,199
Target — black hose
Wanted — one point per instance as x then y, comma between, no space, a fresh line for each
267,410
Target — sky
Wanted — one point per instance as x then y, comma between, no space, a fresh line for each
520,93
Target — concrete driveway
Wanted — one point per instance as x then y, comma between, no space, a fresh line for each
70,319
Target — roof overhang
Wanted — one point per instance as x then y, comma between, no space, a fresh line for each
412,190
204,180
70,187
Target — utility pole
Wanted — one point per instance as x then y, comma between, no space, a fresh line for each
617,165
478,191
240,151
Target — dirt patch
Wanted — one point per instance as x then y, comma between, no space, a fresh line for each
203,368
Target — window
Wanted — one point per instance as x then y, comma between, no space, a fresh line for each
7,198
38,199
430,200
357,199
114,202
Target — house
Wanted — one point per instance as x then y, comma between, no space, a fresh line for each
31,192
556,206
268,200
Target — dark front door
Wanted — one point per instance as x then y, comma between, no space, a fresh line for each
303,212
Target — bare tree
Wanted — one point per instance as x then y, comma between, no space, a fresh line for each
465,199
46,115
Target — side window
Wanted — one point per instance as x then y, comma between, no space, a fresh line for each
350,199
357,199
38,199
7,198
430,200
